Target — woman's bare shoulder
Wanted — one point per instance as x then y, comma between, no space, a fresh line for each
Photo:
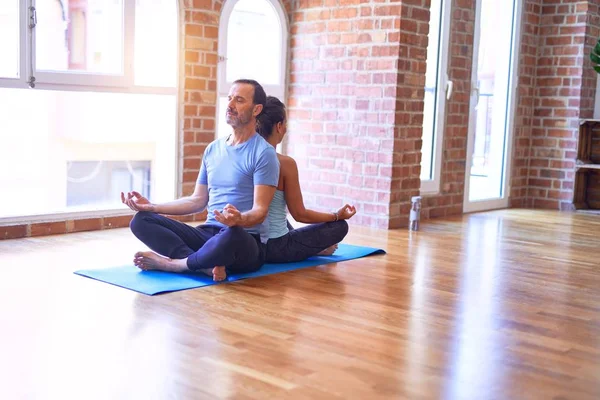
286,161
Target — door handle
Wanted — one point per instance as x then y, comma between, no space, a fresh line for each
449,88
476,90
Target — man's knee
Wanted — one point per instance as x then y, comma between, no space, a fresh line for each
234,232
140,221
241,243
235,237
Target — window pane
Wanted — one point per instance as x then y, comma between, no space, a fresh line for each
254,43
431,91
80,36
96,182
82,149
156,43
9,42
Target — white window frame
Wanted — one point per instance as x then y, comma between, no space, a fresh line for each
223,87
77,80
444,92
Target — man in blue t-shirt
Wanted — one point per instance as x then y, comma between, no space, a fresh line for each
237,181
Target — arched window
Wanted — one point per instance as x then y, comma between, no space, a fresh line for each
88,105
253,43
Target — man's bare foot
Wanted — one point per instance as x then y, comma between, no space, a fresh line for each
328,251
148,260
219,274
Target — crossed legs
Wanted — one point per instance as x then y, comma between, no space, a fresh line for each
178,247
311,240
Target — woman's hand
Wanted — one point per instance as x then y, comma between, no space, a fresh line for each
346,212
136,202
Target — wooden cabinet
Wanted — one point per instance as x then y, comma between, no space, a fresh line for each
586,194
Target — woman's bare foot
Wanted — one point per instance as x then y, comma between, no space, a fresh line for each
328,251
148,260
219,274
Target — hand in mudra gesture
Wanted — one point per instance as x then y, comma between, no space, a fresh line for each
346,212
230,216
136,201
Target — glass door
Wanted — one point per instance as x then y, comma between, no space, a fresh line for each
492,103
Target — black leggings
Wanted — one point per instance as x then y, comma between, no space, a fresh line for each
205,246
299,244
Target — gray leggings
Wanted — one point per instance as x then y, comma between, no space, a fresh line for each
299,244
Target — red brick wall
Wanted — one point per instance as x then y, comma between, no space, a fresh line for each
524,112
342,97
408,123
201,26
450,199
64,226
356,104
564,92
320,142
588,82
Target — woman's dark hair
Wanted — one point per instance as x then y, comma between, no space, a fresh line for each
273,113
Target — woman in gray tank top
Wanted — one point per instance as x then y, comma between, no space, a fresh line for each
326,229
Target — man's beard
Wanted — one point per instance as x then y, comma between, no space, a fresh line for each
237,120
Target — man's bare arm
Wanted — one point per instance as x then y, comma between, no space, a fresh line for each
194,203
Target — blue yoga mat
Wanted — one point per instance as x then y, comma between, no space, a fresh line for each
155,282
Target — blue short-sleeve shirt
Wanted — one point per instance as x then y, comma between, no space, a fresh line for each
230,172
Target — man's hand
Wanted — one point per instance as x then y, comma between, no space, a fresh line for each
136,202
230,216
346,212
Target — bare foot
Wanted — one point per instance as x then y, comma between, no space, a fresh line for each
148,260
328,251
219,274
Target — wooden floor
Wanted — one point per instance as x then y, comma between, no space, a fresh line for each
498,305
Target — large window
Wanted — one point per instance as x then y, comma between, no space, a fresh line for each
88,105
253,39
437,90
